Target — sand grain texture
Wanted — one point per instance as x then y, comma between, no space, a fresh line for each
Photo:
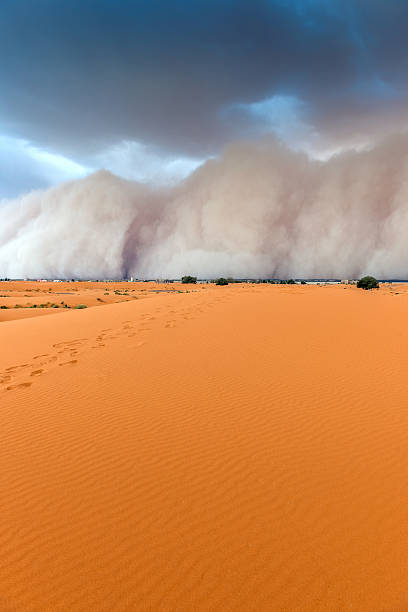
234,448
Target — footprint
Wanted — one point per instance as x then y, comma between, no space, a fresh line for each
72,362
17,367
19,386
39,356
36,372
70,343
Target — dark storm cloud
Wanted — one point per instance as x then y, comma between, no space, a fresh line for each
81,75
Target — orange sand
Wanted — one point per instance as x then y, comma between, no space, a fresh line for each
232,448
19,297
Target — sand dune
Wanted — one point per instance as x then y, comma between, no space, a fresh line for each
23,299
232,448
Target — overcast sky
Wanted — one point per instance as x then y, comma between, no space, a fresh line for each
149,89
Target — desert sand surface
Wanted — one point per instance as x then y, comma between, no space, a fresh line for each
231,448
23,299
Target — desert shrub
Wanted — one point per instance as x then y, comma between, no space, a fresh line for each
221,281
368,282
79,306
291,282
186,280
3,307
303,282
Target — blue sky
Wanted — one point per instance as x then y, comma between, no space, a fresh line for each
149,89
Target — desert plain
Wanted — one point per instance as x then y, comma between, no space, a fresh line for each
203,448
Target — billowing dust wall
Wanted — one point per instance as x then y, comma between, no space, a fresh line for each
260,210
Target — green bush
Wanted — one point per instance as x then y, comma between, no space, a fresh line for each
81,306
3,307
368,282
291,282
221,281
186,280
